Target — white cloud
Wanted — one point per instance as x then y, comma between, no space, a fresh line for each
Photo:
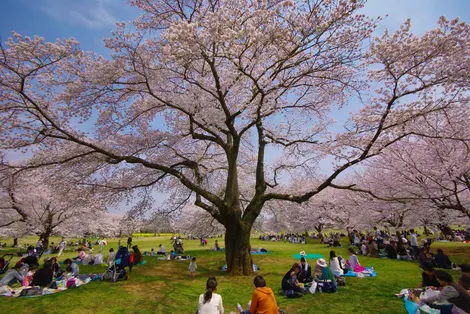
93,14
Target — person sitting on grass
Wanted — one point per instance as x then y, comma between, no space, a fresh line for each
210,302
372,249
262,301
68,263
12,276
441,260
55,266
390,250
353,260
323,271
138,258
335,265
287,283
216,246
452,293
305,273
28,278
111,256
428,277
464,279
423,257
43,277
402,253
161,250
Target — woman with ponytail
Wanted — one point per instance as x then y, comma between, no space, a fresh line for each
210,302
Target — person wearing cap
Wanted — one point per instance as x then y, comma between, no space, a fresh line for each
305,273
464,280
428,277
452,293
323,272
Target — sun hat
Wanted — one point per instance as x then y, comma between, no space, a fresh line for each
321,262
302,253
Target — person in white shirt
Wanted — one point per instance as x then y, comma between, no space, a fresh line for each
210,302
111,256
335,264
62,246
161,250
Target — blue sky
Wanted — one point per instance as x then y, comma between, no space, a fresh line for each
89,21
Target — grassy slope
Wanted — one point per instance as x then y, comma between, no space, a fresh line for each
165,287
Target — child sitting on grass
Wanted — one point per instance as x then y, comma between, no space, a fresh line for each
192,267
28,278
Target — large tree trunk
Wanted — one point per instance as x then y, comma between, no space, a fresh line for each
237,249
45,238
350,237
319,229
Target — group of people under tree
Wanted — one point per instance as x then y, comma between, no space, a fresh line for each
28,273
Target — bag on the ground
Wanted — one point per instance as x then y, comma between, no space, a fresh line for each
71,283
340,281
29,292
313,287
292,294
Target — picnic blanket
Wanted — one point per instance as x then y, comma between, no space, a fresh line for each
415,308
61,286
309,256
368,272
260,253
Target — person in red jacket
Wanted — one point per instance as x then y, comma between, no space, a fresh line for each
262,300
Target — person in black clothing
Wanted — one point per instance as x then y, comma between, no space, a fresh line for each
428,278
390,250
441,260
55,266
31,260
286,282
137,255
402,253
129,242
43,277
305,273
423,258
464,280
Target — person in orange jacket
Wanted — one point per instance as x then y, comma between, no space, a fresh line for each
262,300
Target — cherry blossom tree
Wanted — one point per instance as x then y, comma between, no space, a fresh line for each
426,173
31,205
196,91
197,222
98,223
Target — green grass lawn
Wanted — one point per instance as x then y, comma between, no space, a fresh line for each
165,287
